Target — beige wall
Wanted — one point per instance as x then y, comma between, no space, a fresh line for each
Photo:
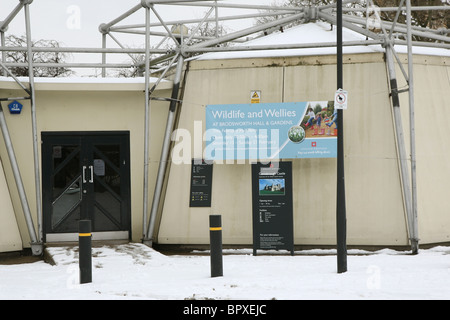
10,239
375,214
375,210
85,107
432,96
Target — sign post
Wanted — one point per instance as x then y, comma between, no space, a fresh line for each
341,220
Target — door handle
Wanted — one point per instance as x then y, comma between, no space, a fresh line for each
84,174
91,179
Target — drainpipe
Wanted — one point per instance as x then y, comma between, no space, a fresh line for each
165,151
37,250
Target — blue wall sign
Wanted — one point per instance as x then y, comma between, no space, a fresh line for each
271,131
15,107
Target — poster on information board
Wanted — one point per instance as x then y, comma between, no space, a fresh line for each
273,225
201,184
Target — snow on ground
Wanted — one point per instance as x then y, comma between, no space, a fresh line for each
135,271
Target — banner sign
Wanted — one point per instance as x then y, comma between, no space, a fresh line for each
273,222
271,131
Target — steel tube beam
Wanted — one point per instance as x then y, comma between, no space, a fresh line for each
2,44
71,65
414,232
15,98
37,179
332,19
403,159
388,9
420,32
165,151
5,23
15,78
245,32
105,26
285,47
147,121
104,54
122,50
190,21
238,6
151,2
18,180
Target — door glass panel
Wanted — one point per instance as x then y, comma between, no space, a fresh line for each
107,187
66,188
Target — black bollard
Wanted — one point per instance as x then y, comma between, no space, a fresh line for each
215,236
85,251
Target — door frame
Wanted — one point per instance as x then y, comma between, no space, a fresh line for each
73,135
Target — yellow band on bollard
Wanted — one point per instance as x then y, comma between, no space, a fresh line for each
215,229
85,234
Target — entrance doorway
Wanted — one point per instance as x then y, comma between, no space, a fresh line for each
86,175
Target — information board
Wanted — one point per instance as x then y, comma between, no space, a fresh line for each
201,184
273,226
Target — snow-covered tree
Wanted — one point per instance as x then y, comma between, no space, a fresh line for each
38,57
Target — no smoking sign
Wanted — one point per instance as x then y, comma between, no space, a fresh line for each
340,99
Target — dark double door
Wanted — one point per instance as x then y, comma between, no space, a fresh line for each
86,176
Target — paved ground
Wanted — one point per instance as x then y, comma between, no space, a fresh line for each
25,256
18,257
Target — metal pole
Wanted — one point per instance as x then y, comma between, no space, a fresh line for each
400,138
106,26
147,118
341,220
104,55
215,236
414,232
85,251
3,44
165,150
5,23
15,78
18,180
34,126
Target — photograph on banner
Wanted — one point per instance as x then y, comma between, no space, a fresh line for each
271,131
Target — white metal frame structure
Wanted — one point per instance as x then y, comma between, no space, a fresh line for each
183,46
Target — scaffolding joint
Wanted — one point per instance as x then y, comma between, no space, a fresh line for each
104,29
146,4
37,248
3,28
311,14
